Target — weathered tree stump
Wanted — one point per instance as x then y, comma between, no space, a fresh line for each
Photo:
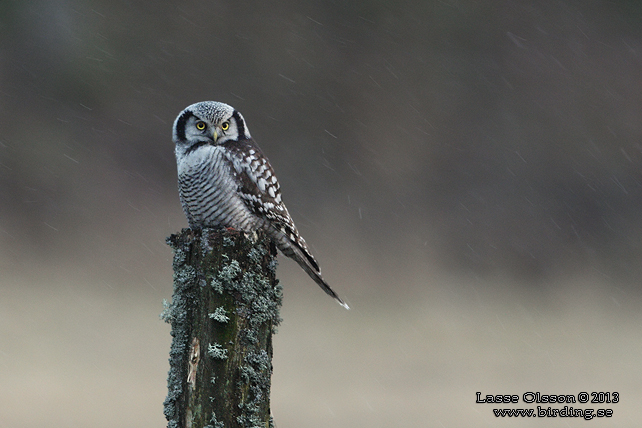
224,310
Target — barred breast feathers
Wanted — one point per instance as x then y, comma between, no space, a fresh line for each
209,192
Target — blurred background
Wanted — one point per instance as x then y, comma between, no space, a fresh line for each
467,173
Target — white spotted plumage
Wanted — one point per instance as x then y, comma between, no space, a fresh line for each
224,180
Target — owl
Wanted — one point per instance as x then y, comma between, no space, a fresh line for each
225,180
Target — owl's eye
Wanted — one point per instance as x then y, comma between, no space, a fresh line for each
200,125
225,126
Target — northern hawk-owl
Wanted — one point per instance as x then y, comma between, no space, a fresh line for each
225,180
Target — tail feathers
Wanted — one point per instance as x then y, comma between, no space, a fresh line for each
316,276
303,257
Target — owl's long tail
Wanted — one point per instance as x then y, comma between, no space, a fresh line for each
301,254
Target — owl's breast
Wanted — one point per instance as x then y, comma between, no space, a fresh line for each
208,190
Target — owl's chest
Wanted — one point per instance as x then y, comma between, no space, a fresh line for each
209,190
206,166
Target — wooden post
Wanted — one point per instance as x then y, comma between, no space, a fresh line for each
224,310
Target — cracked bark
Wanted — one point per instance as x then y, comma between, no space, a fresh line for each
224,310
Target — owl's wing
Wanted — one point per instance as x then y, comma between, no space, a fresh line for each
261,192
258,186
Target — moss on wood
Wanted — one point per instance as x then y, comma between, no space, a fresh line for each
224,310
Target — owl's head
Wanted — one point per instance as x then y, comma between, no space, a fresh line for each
208,122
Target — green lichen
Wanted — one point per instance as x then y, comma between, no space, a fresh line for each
217,285
256,254
229,272
256,298
220,315
217,424
167,314
217,351
225,276
256,373
176,314
259,300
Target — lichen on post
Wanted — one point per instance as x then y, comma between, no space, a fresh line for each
224,310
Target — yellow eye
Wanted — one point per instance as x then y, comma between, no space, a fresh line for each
200,125
225,126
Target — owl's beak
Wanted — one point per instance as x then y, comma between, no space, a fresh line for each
215,135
